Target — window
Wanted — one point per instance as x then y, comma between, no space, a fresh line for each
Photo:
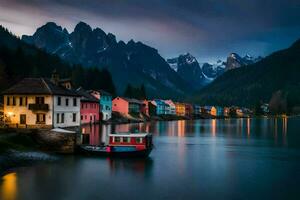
7,101
126,139
81,117
139,140
21,101
82,106
63,118
14,101
39,100
57,118
40,118
74,102
74,117
85,117
58,101
67,102
117,139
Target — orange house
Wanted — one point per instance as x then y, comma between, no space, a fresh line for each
180,109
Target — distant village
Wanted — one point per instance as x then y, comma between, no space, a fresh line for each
53,103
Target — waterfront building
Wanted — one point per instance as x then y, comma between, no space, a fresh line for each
189,110
105,100
170,107
89,107
219,111
41,103
126,105
211,110
160,107
180,109
226,111
197,110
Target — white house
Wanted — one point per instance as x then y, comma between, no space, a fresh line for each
41,103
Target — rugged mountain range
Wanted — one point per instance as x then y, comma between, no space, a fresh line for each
257,82
235,61
188,68
132,62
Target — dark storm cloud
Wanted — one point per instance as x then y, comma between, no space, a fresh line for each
206,28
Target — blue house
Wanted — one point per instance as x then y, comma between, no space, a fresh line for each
220,111
105,99
160,106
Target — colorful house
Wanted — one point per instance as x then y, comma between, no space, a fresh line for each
226,112
126,105
160,106
211,110
180,109
189,110
170,107
105,100
220,111
41,103
89,107
197,110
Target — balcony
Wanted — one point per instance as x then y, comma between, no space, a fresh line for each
38,107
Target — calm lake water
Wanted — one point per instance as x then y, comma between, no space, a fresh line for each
201,159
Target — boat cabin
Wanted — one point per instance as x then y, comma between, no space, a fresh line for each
139,140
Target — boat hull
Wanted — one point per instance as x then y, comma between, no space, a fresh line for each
112,153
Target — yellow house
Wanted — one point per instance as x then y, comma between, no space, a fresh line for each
41,103
180,109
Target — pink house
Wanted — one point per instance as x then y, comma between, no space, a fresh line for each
126,105
89,107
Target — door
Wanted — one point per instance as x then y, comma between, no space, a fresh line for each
22,119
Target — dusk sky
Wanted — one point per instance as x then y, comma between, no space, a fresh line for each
208,29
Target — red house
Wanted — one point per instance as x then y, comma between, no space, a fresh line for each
89,107
126,105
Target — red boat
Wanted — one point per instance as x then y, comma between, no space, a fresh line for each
122,145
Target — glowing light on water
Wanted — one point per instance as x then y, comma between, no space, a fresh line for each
9,187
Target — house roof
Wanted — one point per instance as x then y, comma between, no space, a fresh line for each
86,96
39,86
129,100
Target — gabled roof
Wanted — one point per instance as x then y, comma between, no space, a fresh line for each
39,86
129,100
86,96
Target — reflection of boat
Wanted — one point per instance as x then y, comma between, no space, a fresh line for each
122,145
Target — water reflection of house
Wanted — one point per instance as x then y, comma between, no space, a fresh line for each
105,100
170,108
89,111
41,103
180,109
126,105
